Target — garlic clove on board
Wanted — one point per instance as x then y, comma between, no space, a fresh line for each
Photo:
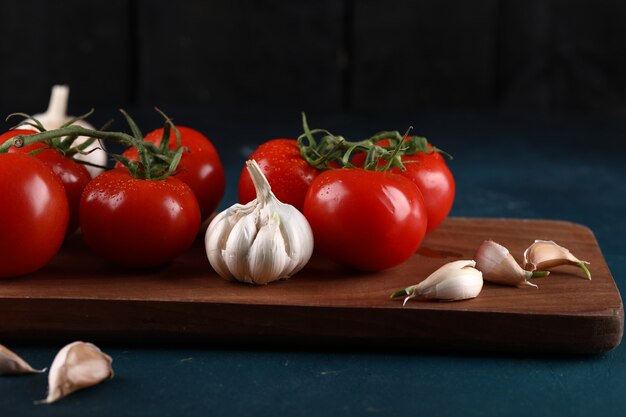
78,365
12,364
499,266
259,242
454,281
546,254
56,115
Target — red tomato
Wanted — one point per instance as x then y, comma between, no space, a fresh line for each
73,175
34,210
138,223
431,174
200,168
433,177
367,220
288,174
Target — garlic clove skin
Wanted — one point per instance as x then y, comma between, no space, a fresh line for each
546,254
267,253
12,364
78,365
56,115
217,235
240,239
262,241
454,281
499,266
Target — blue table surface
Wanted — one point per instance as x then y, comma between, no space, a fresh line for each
506,165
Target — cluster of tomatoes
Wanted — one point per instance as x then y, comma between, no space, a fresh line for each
131,221
370,219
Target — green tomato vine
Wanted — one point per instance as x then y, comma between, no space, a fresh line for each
155,162
329,150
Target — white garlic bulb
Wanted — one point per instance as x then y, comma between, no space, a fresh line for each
56,116
454,281
259,242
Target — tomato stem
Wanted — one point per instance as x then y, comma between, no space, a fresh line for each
74,130
154,162
325,152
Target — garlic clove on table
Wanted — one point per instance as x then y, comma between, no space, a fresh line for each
77,365
498,266
12,364
259,242
454,281
546,254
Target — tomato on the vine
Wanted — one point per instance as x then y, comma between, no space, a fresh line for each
287,172
368,220
138,222
429,171
34,210
72,174
200,168
432,176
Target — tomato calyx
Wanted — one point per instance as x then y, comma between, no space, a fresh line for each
155,162
387,146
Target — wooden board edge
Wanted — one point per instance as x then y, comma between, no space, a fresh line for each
168,322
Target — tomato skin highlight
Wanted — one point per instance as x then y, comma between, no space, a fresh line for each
138,223
73,175
34,214
288,174
200,168
432,176
367,220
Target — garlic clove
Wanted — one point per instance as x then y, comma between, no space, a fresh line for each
454,281
546,254
298,238
462,284
12,364
268,257
78,365
441,273
238,246
217,234
499,266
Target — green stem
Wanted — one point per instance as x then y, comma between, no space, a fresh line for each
25,140
539,274
399,293
584,268
330,148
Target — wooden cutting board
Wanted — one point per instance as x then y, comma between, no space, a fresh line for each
79,296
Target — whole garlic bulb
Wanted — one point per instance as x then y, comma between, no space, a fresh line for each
56,116
259,242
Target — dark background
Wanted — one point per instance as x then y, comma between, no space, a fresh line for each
323,55
528,95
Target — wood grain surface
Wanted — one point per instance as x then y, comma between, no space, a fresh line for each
79,296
